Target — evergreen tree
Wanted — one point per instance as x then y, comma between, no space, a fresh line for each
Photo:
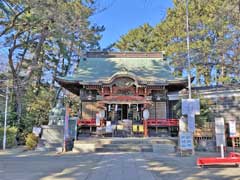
214,39
140,39
43,38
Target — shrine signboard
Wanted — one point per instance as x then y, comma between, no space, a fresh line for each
220,131
185,141
72,127
191,107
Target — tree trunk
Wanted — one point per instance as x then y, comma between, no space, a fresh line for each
18,102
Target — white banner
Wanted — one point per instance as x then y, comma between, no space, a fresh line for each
108,127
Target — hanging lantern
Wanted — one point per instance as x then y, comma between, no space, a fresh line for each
129,108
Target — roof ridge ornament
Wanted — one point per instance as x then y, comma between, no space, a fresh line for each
124,69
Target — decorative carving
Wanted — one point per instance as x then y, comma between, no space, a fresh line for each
123,82
124,91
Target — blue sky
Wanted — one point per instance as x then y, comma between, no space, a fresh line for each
120,16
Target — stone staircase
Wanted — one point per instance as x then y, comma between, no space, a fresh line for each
125,145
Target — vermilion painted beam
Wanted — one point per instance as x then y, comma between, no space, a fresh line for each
162,122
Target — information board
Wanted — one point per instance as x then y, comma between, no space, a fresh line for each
66,124
185,141
232,128
191,106
191,122
220,131
219,125
72,127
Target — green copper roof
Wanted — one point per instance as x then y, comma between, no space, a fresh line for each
102,69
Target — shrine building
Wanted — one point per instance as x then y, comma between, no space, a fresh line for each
121,85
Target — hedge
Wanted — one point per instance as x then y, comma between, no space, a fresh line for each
11,137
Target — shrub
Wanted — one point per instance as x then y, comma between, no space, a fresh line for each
11,137
31,141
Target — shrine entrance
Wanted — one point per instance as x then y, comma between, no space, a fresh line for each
119,112
124,113
124,119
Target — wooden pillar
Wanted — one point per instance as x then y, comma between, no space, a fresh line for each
145,128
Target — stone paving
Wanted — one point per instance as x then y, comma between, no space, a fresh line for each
108,166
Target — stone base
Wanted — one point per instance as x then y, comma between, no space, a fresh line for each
52,138
52,133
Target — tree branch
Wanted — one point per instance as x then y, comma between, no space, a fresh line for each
13,22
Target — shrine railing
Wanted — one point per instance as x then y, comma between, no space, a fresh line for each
86,122
150,122
162,122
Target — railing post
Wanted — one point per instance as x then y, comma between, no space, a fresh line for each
145,128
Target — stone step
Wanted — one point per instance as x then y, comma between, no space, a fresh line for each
163,148
44,145
159,148
48,149
124,144
127,146
125,149
126,141
143,142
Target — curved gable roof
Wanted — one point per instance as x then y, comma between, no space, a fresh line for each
101,67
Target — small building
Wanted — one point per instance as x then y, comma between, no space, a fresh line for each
223,101
123,85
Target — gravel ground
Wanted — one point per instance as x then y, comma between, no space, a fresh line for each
19,165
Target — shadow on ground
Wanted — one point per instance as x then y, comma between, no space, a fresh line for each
108,166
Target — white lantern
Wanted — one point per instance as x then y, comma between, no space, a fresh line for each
101,114
98,119
145,114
